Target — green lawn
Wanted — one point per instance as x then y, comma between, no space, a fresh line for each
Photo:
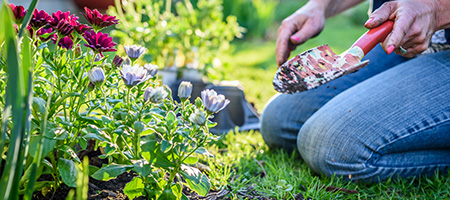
243,162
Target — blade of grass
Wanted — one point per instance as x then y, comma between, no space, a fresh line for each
27,17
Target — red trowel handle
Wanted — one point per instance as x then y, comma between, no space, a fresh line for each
374,36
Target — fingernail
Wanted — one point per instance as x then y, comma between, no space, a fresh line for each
368,21
390,49
295,39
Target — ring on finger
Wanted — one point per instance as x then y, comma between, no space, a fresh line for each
402,50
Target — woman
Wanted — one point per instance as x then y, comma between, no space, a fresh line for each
389,119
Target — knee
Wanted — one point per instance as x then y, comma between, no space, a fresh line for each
329,148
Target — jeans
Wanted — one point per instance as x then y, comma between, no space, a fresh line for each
389,119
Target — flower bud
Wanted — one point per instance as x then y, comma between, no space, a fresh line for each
96,75
77,51
117,61
213,102
198,117
155,95
90,87
185,90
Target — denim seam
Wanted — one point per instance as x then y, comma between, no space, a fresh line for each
399,138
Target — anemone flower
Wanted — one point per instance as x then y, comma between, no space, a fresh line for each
213,102
19,13
152,69
134,75
98,20
39,19
155,95
65,42
44,34
134,51
99,42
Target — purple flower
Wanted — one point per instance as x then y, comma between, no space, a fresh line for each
39,19
152,69
44,34
19,13
65,42
82,28
96,75
134,51
99,42
63,16
117,61
213,102
98,20
185,90
64,28
198,117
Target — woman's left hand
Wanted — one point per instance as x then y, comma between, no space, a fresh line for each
415,23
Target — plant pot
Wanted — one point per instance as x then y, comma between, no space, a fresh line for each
94,4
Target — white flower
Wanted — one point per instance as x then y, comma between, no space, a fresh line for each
198,117
134,51
96,75
213,102
134,75
155,95
185,90
152,69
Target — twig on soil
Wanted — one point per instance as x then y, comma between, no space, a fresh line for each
262,167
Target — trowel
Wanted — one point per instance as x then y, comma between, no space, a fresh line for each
320,65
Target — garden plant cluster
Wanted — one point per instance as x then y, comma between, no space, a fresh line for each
62,92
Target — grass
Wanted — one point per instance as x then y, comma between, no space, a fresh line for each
235,167
243,162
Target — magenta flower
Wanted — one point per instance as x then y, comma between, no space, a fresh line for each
19,13
65,42
44,34
98,20
99,42
64,28
39,19
82,28
63,16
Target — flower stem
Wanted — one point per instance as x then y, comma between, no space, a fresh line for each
128,99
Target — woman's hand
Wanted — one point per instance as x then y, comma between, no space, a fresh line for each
415,23
304,24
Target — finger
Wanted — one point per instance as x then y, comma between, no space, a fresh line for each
283,46
307,31
394,39
381,15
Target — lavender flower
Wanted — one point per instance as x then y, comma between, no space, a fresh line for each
152,69
213,102
96,75
198,117
134,51
155,95
98,20
185,90
133,75
99,42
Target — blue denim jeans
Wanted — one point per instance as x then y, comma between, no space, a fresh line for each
389,119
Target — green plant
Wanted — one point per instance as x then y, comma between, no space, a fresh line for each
181,32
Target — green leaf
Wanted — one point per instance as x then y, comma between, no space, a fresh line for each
68,172
198,102
67,150
165,146
138,127
170,118
196,180
110,171
177,190
47,145
191,160
142,168
167,194
134,188
203,151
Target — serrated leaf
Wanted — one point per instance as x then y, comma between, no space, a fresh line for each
68,172
110,171
196,180
134,188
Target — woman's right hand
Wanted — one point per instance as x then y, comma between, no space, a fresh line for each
305,23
